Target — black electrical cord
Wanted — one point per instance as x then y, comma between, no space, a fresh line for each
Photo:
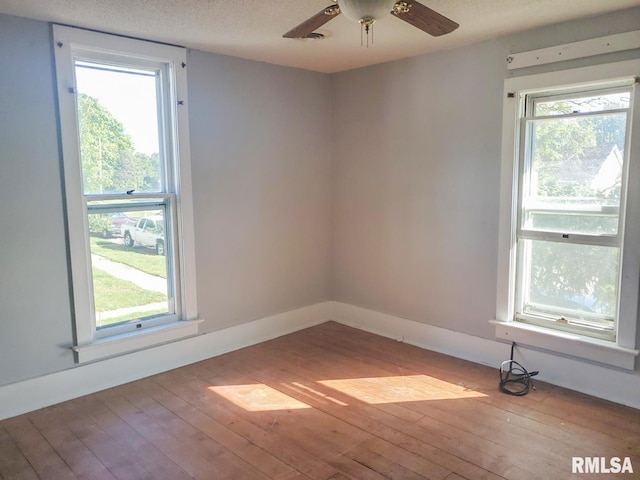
514,378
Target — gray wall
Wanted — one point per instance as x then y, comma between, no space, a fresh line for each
417,170
261,157
261,167
35,309
416,176
404,221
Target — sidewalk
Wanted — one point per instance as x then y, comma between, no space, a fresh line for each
130,274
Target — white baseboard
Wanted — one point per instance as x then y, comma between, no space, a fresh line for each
620,386
28,395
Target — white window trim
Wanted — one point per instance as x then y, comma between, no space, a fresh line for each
618,42
87,346
621,353
128,342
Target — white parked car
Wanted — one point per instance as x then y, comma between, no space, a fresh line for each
148,232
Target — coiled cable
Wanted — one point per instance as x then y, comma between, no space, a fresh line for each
514,378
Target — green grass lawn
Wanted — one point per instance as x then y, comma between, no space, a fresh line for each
112,293
141,258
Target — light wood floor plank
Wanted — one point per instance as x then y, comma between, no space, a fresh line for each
75,454
112,452
249,452
46,462
140,450
195,390
13,463
179,450
308,430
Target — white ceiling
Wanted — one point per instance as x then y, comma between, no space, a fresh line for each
253,29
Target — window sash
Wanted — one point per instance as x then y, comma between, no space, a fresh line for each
595,330
575,238
551,313
553,316
525,166
166,203
163,72
532,101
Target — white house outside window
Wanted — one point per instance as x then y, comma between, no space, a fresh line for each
123,115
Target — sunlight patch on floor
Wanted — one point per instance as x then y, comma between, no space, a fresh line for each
258,397
408,388
311,391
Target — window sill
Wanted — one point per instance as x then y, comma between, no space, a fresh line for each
129,342
567,343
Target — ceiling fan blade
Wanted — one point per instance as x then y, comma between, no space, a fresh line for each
426,19
313,23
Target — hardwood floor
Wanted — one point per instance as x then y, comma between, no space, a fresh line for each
329,402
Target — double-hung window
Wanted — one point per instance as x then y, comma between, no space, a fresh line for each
123,118
570,206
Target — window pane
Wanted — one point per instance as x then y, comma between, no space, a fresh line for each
569,280
598,224
573,174
129,266
582,104
118,117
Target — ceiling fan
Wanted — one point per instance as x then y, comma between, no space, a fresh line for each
367,11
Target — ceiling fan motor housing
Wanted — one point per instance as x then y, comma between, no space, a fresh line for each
360,9
366,12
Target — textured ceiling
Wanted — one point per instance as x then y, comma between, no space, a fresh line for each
253,28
